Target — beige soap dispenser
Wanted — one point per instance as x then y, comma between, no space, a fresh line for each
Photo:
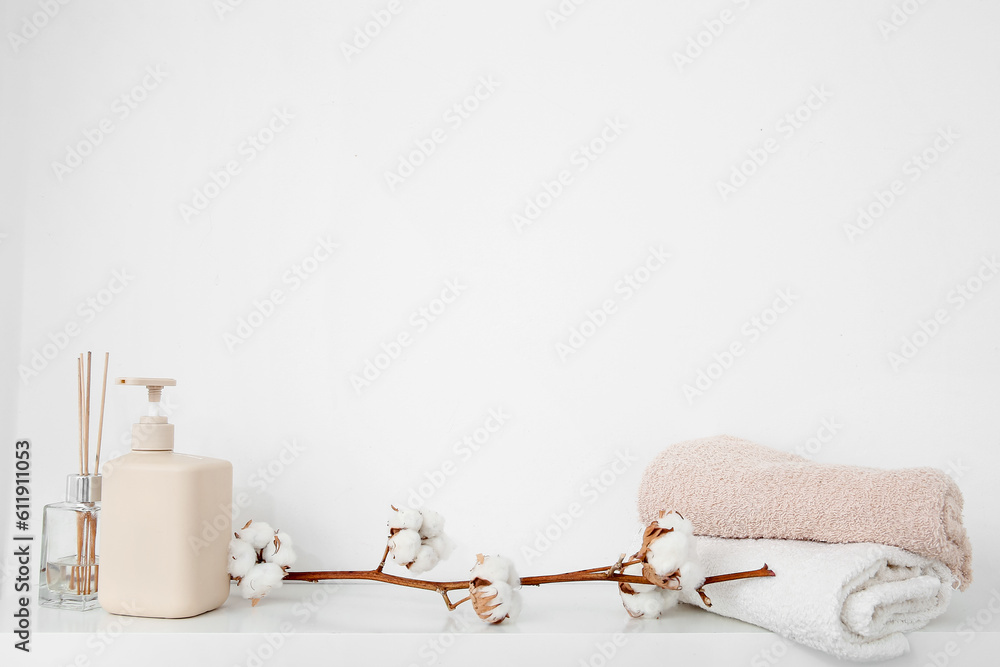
166,523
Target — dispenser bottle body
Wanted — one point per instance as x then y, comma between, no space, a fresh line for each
166,524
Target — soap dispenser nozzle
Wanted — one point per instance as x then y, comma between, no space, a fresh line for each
152,432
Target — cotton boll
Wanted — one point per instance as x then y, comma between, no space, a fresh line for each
404,546
432,525
673,546
490,568
504,601
261,579
667,553
286,539
284,557
515,602
692,575
494,569
242,557
405,518
425,559
679,524
642,600
269,549
257,533
493,603
681,535
647,601
442,545
492,588
642,603
282,554
670,598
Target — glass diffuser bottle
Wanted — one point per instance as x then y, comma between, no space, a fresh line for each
69,558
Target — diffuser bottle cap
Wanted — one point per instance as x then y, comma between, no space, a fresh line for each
83,488
152,433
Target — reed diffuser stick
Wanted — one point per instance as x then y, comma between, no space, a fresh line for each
90,528
100,422
79,403
86,435
75,571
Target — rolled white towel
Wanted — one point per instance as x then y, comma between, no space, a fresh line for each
853,601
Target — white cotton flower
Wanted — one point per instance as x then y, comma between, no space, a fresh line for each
495,568
493,589
683,529
692,575
261,580
647,601
404,545
425,560
242,557
257,533
667,544
279,550
432,525
496,602
671,549
441,544
417,539
405,518
667,554
286,539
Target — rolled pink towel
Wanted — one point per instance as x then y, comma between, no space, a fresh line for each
730,487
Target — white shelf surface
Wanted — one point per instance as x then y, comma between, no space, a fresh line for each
574,624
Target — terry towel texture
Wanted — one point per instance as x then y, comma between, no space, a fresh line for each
854,601
730,487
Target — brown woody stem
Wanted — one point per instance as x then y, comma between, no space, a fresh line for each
375,575
762,572
607,573
385,554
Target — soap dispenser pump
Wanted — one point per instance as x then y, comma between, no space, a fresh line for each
166,522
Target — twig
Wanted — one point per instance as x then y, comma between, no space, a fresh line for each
762,572
375,575
385,555
603,573
452,605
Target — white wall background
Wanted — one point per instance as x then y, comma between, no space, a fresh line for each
65,234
